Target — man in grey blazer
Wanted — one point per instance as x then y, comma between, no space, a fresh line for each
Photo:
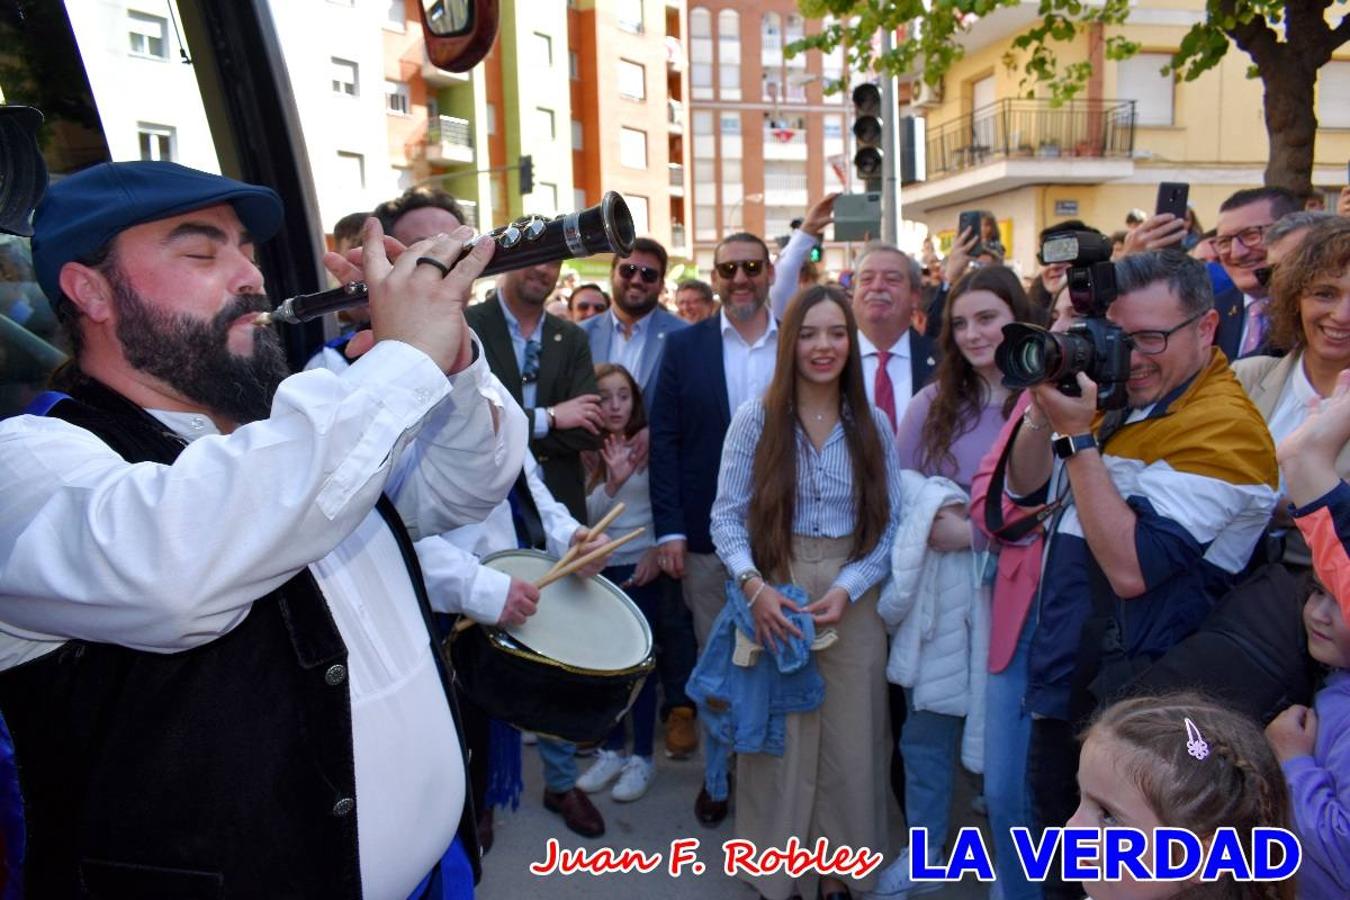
632,333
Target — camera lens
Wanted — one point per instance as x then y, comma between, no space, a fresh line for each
1028,355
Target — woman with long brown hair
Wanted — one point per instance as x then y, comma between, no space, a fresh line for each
808,494
946,431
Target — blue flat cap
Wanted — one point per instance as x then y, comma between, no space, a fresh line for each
84,211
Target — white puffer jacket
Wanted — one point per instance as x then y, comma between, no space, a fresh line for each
938,613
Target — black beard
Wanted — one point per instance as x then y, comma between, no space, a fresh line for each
637,308
194,357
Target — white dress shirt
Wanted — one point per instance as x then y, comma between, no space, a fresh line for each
748,367
898,365
528,391
163,558
455,579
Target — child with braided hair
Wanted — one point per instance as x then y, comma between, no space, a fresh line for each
1314,749
1180,761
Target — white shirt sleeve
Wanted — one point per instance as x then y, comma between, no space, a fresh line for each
167,557
465,457
785,271
458,583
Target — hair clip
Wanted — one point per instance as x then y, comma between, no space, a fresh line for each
1195,743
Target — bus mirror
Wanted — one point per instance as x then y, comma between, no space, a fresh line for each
23,173
459,33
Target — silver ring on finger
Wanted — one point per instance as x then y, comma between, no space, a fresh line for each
436,263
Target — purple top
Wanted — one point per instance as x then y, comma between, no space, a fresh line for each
1319,786
968,449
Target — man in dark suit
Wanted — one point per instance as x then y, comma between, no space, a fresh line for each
1240,242
696,393
633,332
897,360
545,362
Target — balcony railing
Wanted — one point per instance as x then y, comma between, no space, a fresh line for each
449,139
677,239
676,176
1034,129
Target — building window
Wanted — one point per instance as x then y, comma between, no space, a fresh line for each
397,16
397,97
351,169
1139,79
729,54
638,206
632,80
630,15
771,39
577,143
700,54
573,65
542,48
149,35
159,143
546,123
796,66
344,77
1333,97
633,148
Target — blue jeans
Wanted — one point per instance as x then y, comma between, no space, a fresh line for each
1007,732
928,746
648,598
560,764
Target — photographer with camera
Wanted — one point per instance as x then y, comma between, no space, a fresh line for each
1159,475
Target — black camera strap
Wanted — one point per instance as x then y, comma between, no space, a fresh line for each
1011,532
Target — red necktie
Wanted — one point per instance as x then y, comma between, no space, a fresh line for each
884,395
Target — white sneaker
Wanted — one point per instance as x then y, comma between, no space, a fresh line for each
636,778
893,882
605,769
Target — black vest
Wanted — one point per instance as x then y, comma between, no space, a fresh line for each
221,771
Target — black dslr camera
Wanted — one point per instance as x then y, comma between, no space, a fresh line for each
1031,355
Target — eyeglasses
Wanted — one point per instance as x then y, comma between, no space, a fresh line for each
1151,343
751,267
649,275
1251,238
597,305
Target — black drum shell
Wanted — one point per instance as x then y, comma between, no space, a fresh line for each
534,693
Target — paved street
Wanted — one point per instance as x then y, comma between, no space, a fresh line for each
665,814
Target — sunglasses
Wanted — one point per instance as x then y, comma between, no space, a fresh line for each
649,275
751,267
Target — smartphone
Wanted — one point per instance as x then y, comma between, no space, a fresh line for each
1172,197
970,220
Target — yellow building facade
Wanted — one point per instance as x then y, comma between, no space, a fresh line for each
1105,153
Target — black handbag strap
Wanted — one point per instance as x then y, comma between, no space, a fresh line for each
1011,532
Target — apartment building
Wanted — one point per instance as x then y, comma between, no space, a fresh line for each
767,136
1097,157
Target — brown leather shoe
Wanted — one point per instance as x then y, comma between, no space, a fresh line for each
681,733
709,811
579,814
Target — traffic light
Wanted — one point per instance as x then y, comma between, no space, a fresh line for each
526,175
867,134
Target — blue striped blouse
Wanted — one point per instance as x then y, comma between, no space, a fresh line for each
824,506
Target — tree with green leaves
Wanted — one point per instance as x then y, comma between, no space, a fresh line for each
1288,42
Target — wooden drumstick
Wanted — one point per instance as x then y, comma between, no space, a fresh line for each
591,557
597,528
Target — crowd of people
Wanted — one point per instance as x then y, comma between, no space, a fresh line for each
860,545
